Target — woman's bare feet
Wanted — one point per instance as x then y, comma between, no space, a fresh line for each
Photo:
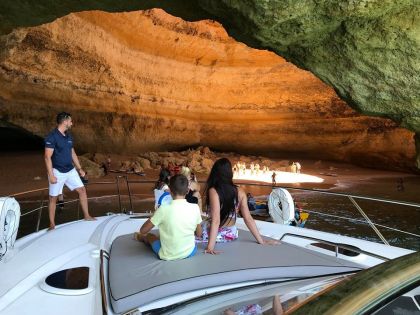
89,218
52,227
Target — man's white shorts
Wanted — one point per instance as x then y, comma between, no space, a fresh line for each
71,179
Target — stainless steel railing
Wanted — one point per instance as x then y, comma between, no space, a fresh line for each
121,180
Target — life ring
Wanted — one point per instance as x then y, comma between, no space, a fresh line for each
9,223
281,206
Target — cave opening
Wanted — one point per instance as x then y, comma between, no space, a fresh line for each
18,139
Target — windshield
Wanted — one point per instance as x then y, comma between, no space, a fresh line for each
257,300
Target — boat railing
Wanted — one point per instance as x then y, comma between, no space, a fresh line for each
122,182
362,212
103,254
118,183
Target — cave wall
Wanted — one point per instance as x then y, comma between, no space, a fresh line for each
366,50
147,80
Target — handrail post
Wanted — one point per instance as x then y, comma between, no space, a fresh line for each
38,222
129,193
375,229
103,253
117,178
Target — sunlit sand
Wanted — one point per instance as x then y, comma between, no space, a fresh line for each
281,177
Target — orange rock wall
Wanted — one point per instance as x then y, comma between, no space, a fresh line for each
146,80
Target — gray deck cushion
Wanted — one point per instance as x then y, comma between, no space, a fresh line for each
137,277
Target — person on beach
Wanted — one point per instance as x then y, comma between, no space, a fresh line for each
292,167
224,202
298,167
108,162
235,171
177,223
257,169
400,184
63,167
273,179
105,167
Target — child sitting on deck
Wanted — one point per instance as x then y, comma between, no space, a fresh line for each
176,221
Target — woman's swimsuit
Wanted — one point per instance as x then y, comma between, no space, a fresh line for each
224,234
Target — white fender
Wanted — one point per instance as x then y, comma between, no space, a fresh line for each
281,206
9,223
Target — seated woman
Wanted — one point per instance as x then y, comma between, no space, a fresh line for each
161,191
224,201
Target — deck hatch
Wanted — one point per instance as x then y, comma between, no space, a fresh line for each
69,279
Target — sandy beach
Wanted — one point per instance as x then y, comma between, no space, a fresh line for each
22,171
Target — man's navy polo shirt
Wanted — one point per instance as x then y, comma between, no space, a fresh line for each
62,145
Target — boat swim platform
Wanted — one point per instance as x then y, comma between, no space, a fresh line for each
137,277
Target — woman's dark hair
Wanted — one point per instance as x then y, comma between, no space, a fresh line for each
221,179
163,178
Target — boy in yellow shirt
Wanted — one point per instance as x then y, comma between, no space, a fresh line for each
177,223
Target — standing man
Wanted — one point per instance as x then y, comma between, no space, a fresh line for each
61,160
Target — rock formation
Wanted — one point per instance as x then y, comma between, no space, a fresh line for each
199,160
148,81
367,50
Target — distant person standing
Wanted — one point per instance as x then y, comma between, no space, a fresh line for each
104,166
235,171
293,167
273,178
298,167
61,160
400,184
257,169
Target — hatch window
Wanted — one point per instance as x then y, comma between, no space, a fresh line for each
69,279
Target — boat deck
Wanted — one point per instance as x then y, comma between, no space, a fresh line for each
137,277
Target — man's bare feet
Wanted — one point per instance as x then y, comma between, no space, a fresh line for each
90,218
52,227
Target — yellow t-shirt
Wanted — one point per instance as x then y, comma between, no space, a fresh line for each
177,222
